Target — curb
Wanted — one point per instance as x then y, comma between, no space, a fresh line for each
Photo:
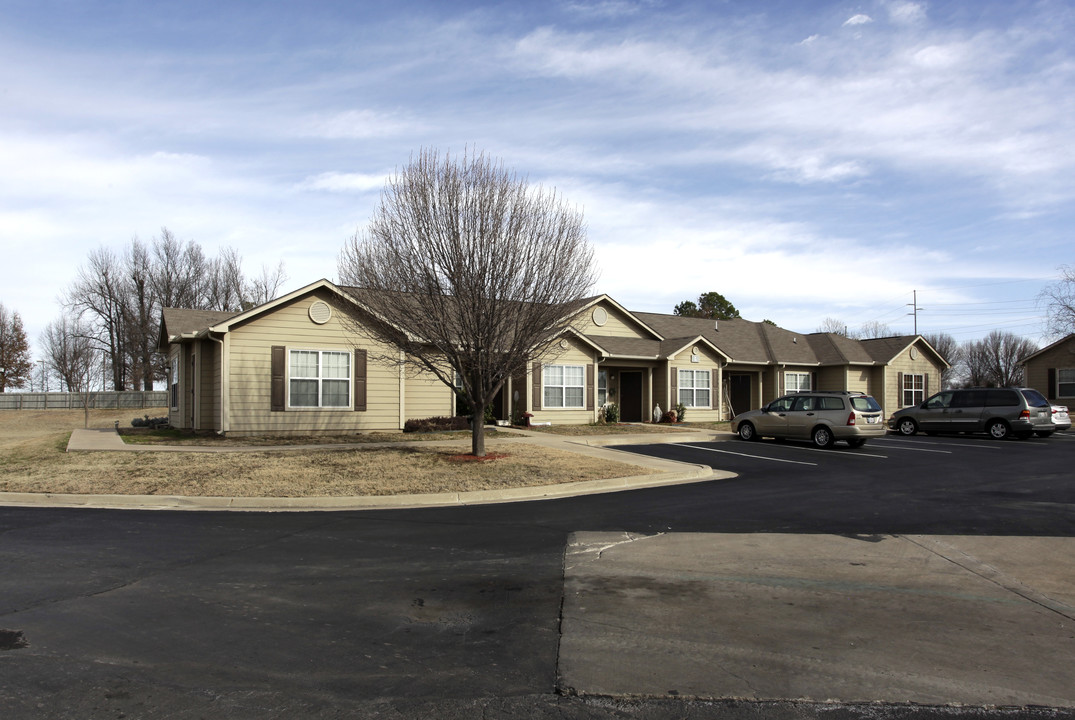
666,472
695,473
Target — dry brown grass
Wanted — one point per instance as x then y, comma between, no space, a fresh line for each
627,428
33,459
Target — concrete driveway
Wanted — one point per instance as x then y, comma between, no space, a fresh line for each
930,620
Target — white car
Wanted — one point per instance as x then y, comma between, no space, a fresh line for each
1061,418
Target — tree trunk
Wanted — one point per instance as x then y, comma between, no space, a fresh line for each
477,432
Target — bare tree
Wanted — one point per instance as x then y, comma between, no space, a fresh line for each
873,329
469,271
97,297
70,354
1059,301
224,281
265,287
179,272
15,365
952,352
994,361
834,326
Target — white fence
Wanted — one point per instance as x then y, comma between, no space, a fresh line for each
105,400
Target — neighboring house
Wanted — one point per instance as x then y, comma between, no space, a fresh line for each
294,366
1051,371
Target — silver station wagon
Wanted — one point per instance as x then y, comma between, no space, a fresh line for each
1001,412
820,416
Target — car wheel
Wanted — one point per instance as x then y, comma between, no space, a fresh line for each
907,426
747,431
998,430
1044,433
822,437
856,443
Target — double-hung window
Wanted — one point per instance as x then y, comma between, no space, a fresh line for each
1065,383
319,379
564,386
602,388
796,382
694,390
914,389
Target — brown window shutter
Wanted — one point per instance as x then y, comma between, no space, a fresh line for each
673,380
925,385
899,389
1053,391
277,379
360,380
813,381
537,386
589,386
713,397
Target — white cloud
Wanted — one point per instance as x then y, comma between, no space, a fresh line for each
906,13
859,19
344,182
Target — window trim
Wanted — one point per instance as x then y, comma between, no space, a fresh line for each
798,388
1060,383
563,386
693,388
916,392
321,352
174,382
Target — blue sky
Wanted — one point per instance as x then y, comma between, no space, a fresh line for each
806,159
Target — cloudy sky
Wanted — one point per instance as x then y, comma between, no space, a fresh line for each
806,159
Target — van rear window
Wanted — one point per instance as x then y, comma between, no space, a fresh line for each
865,404
1035,398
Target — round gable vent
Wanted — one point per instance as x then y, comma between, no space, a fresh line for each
320,312
600,316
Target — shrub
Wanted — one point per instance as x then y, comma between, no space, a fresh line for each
612,413
148,422
681,411
669,417
436,424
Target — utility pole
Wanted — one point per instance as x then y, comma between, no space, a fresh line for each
915,309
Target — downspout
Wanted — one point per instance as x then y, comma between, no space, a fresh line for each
223,374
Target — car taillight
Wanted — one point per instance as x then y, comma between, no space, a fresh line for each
851,419
1025,415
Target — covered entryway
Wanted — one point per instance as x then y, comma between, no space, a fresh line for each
739,392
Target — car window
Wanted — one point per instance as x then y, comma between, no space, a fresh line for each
832,403
865,403
805,403
1001,398
780,404
1035,398
968,398
939,401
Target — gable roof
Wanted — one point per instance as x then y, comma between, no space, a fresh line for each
177,323
1047,348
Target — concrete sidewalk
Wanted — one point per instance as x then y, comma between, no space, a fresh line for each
932,620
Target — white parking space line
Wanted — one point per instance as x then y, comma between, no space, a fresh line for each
934,442
919,449
757,457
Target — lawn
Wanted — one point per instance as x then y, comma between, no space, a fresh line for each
33,458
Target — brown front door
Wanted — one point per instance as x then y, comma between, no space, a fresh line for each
631,397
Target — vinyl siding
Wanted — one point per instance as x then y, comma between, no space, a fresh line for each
707,360
1061,357
290,326
425,396
576,354
924,364
617,325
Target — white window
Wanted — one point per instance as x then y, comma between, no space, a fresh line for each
565,386
602,387
1065,383
319,378
694,388
175,381
914,389
796,381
